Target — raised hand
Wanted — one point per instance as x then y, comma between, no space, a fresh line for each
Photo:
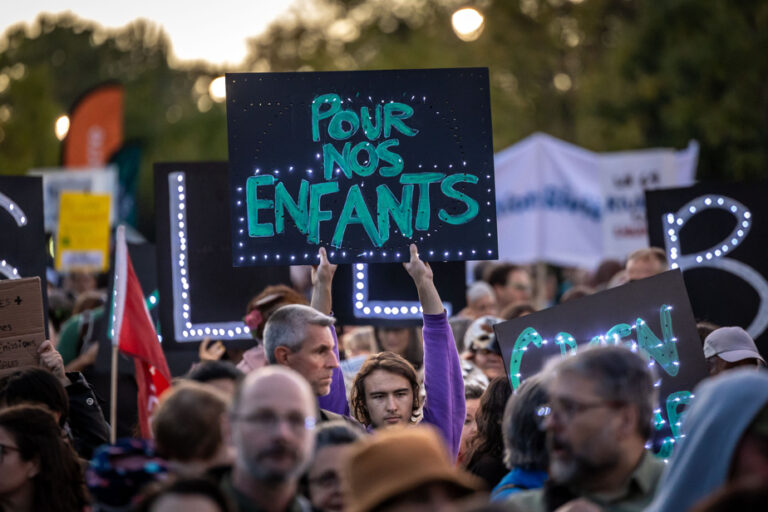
322,276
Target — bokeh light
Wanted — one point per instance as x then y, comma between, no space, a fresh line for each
468,24
62,127
218,89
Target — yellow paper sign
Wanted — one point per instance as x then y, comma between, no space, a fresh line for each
82,241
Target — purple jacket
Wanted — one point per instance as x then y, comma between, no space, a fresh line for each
444,407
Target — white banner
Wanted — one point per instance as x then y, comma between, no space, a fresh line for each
562,204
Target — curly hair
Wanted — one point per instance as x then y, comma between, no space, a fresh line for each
58,486
388,362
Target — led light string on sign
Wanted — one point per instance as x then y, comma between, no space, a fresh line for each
7,204
184,329
717,255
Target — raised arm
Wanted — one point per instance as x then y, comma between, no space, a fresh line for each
322,277
445,407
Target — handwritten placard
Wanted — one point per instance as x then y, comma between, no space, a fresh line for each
22,324
652,317
363,163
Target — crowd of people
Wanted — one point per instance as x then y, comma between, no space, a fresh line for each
318,417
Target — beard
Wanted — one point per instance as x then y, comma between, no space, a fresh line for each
264,467
568,467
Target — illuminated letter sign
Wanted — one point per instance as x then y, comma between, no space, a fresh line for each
22,240
652,317
716,235
201,293
363,163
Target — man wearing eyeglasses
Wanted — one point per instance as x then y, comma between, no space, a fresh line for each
271,425
597,422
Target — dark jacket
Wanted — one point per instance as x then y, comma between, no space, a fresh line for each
86,422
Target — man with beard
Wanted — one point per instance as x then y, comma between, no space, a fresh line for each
597,422
271,425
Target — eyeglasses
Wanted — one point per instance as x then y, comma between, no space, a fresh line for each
5,448
268,420
567,410
327,479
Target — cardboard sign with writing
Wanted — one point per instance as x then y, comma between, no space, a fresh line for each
363,163
652,316
716,234
201,294
22,324
82,240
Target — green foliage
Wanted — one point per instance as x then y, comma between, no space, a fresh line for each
604,74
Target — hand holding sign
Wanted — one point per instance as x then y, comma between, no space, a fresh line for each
422,276
322,277
51,360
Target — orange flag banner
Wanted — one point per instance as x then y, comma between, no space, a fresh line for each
96,127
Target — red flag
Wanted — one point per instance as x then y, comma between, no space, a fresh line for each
134,334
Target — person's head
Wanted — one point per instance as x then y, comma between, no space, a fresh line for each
488,439
403,341
472,394
300,338
644,263
731,347
189,494
332,443
222,375
36,386
118,473
78,282
385,391
599,414
484,350
481,300
576,292
517,310
36,462
360,342
403,469
511,283
271,425
187,427
271,298
524,443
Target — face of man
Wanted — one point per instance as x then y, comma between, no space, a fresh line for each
582,431
517,289
272,429
484,306
641,268
389,399
315,360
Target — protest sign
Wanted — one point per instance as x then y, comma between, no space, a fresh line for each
82,238
93,180
383,294
651,316
362,163
716,234
565,205
201,294
22,323
22,240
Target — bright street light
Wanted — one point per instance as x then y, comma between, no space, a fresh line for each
218,89
468,24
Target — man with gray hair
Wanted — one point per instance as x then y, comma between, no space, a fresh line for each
271,426
597,421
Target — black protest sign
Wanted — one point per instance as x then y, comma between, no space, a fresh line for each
716,234
22,323
363,163
383,294
651,316
201,294
22,238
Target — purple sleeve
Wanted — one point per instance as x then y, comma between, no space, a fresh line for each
444,407
336,400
